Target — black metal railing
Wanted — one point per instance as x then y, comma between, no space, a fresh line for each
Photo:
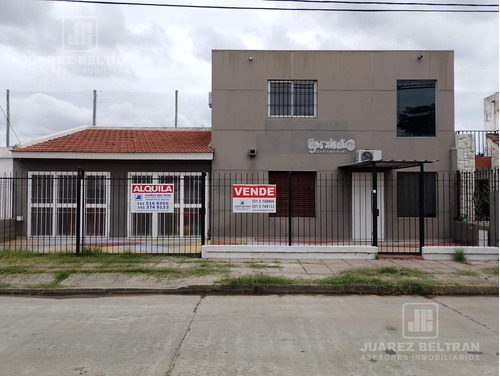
53,212
342,205
78,211
483,141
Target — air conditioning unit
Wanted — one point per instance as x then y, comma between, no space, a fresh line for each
368,155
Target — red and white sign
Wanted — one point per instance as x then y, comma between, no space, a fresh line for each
152,188
254,198
152,198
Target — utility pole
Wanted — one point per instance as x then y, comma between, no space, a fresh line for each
94,109
176,107
7,134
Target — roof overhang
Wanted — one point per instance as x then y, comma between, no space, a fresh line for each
116,156
384,165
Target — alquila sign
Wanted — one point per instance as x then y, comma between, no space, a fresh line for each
331,146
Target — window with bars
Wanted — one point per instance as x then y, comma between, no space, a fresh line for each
303,193
53,201
408,194
185,220
292,98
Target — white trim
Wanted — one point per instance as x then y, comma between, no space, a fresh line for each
472,253
288,252
181,206
54,204
115,156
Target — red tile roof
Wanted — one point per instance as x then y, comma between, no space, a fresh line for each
493,137
120,140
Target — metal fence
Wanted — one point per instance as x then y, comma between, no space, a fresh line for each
74,212
77,212
342,211
482,142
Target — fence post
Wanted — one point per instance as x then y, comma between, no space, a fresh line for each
79,179
290,208
421,195
374,205
203,208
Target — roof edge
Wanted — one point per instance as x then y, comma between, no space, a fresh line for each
49,137
85,127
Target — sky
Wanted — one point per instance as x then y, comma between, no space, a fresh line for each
55,54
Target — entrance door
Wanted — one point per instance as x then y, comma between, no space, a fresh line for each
362,206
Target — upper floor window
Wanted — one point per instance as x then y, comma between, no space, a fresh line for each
292,98
417,108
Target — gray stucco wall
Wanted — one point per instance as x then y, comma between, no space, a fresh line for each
357,96
357,99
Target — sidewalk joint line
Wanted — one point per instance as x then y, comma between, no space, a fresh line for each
464,315
188,329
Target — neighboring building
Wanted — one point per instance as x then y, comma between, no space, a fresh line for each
111,158
306,113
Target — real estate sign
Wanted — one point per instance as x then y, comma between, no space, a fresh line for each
254,198
152,198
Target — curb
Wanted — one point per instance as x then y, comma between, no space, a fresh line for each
258,290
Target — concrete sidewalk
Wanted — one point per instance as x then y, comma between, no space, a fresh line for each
449,278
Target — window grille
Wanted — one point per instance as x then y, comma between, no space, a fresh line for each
292,98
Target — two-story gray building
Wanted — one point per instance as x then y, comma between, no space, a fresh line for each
313,122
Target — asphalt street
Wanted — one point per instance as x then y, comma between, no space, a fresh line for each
249,335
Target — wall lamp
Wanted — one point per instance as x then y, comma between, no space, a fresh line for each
420,57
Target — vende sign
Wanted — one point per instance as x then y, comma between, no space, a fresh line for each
254,191
152,198
254,198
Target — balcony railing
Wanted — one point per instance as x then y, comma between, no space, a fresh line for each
483,142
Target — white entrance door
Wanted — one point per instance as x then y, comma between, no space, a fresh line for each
362,206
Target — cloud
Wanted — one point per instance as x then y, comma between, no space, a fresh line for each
205,39
29,26
41,114
144,54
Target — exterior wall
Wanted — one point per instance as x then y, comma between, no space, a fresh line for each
357,97
491,112
118,209
6,162
117,168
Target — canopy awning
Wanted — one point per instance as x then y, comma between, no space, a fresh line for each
384,165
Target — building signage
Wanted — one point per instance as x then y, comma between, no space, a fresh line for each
254,198
152,198
331,146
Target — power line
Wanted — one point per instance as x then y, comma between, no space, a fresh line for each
385,3
275,8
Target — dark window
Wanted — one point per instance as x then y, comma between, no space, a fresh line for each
303,193
292,98
416,108
408,194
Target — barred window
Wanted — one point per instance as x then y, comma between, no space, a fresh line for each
292,98
303,192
